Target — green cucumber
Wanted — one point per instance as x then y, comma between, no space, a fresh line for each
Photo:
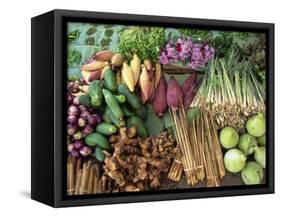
110,80
85,100
106,116
96,139
131,98
139,124
112,119
112,104
141,112
100,156
106,129
95,91
120,98
126,110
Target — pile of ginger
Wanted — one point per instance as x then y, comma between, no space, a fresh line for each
137,164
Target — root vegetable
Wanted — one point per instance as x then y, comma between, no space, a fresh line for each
136,164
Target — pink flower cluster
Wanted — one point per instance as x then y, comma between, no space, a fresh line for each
195,55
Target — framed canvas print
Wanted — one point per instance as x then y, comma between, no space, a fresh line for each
133,108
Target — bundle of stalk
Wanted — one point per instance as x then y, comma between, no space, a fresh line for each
71,162
82,177
176,168
212,153
182,138
197,146
231,92
197,136
179,99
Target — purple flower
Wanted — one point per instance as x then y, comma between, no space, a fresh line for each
164,59
196,55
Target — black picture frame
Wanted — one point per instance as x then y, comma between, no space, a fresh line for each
48,46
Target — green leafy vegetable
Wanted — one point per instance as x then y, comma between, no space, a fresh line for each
145,42
197,35
153,124
168,120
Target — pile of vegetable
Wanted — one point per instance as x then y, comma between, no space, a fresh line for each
231,91
136,125
146,42
245,153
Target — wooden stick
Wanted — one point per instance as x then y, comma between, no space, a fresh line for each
90,181
78,167
85,177
78,183
176,168
70,175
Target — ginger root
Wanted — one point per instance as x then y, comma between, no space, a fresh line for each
137,164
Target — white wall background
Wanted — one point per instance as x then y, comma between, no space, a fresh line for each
15,106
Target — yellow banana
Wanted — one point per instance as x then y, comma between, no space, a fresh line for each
128,76
158,73
136,67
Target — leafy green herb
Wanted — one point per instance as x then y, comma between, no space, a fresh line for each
145,42
73,35
73,57
197,35
243,35
225,42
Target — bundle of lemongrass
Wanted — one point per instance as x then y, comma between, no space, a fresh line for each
231,91
198,141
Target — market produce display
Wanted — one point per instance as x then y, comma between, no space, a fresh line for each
152,108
